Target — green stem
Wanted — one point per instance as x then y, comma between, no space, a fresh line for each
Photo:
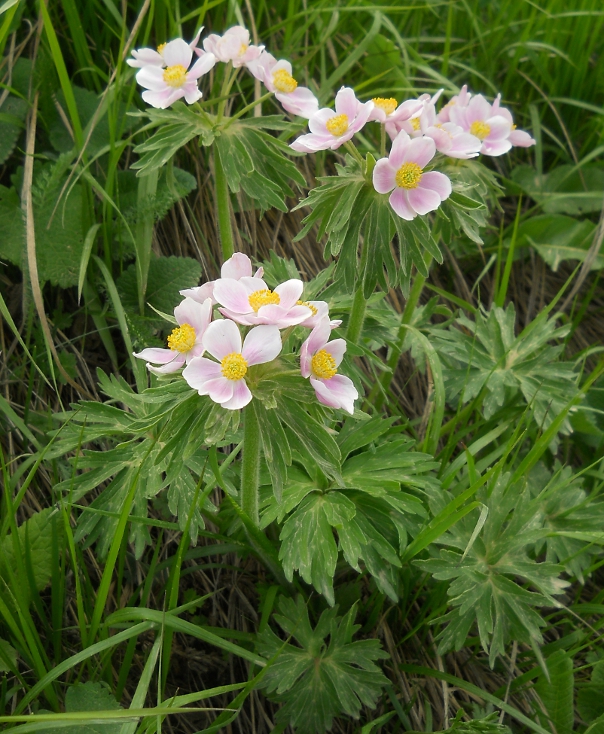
250,465
249,107
359,304
383,141
376,396
223,206
351,148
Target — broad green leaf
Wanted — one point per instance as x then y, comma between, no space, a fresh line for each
89,697
557,692
558,238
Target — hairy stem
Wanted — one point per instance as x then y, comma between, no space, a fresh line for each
223,206
250,466
359,304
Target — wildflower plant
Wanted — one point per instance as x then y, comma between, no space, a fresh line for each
257,392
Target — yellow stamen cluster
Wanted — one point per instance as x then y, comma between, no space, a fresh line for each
182,339
243,48
408,176
175,76
314,309
323,365
414,123
337,125
233,366
284,82
388,105
480,129
263,297
161,48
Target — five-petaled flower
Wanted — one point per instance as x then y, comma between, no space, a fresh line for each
163,86
319,361
233,45
277,78
151,57
186,340
413,191
250,302
224,380
332,128
488,125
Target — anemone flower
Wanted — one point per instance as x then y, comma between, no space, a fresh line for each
450,139
224,380
490,126
151,57
233,45
319,361
250,302
460,100
277,78
413,191
518,138
319,309
165,86
331,129
186,340
237,266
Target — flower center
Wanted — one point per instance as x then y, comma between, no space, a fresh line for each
233,366
243,48
161,47
264,297
480,129
414,123
314,309
284,81
323,365
408,176
388,105
182,339
175,76
337,125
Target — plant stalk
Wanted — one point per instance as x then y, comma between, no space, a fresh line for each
250,465
223,207
359,304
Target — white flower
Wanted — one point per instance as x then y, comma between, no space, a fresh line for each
165,86
233,46
151,57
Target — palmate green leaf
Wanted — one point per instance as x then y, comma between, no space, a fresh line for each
319,679
488,578
557,693
367,516
485,354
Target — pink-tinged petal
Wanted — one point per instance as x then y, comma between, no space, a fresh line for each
322,309
196,350
457,115
384,176
145,57
438,182
245,319
337,349
283,317
201,370
210,43
198,315
202,66
262,344
177,52
200,293
319,336
500,128
289,292
377,115
346,103
261,67
337,392
399,202
259,273
167,369
220,390
392,129
252,53
442,139
151,77
495,147
222,338
301,102
195,41
423,200
162,100
362,117
477,109
232,294
464,145
420,151
463,98
157,355
407,109
305,360
427,117
241,396
316,124
521,139
311,143
237,266
252,284
192,93
399,149
281,64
